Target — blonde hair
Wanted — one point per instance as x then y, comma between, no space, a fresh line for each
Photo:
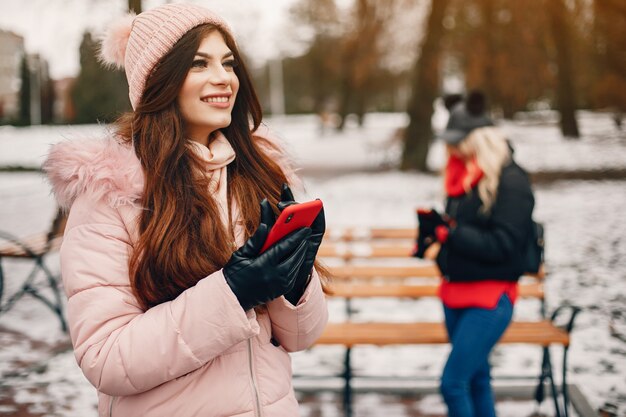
491,151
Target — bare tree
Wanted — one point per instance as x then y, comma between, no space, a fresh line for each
487,40
565,89
425,85
608,81
487,34
362,53
322,59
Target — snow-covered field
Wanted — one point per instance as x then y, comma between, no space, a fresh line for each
586,257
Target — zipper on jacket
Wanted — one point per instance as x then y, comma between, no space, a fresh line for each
111,407
255,389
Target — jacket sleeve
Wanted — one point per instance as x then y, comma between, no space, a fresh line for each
298,327
122,349
507,228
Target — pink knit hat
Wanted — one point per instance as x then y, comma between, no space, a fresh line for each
137,43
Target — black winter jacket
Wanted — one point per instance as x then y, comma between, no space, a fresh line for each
489,246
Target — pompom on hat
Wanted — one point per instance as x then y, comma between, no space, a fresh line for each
137,43
466,116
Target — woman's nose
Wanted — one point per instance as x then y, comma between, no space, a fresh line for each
219,75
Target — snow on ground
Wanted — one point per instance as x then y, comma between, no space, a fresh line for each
586,259
539,145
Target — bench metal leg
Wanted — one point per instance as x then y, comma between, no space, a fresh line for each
56,309
347,390
347,370
57,306
28,288
569,327
564,388
555,392
547,373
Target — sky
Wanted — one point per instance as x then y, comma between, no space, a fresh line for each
54,28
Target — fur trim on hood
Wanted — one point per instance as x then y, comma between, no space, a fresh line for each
100,168
106,168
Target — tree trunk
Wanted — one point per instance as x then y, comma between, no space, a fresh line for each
487,32
134,6
25,75
345,98
360,104
425,87
508,111
566,100
350,59
361,53
47,101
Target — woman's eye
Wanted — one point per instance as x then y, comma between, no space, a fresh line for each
198,63
231,63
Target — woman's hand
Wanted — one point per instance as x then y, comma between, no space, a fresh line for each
428,221
432,251
318,227
255,278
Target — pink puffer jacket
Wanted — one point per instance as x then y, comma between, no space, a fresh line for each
200,354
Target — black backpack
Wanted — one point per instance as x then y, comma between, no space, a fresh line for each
534,248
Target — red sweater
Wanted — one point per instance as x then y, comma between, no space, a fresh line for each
482,294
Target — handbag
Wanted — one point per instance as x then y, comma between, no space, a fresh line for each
533,255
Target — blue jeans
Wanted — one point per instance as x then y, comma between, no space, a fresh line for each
466,379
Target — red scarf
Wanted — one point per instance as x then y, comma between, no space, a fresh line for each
456,172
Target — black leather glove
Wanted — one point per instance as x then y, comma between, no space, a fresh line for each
318,227
257,279
428,220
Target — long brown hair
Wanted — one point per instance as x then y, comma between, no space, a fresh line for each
181,236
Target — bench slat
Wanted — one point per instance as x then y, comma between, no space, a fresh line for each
350,334
350,234
345,272
36,243
399,250
526,290
382,233
335,250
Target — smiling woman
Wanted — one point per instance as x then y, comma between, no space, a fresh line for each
211,82
166,317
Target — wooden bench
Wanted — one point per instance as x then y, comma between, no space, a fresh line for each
366,281
417,279
33,249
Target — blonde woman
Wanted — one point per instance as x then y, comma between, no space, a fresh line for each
478,247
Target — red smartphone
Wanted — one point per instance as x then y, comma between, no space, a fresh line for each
291,219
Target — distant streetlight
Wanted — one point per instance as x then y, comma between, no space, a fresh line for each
34,67
277,93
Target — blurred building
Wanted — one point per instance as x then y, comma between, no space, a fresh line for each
11,53
63,105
